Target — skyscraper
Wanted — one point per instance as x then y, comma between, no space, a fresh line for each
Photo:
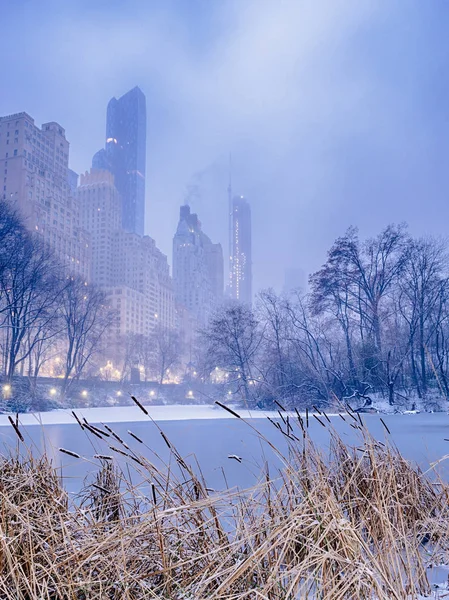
128,267
124,155
240,265
38,183
197,268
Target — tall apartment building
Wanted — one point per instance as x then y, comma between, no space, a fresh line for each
240,265
37,182
129,267
124,155
99,204
197,268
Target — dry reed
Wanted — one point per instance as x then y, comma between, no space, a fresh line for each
358,523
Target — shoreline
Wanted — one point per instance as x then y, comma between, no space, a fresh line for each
171,412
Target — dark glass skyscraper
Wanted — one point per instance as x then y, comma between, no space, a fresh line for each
125,155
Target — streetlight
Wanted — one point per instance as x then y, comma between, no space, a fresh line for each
53,391
84,393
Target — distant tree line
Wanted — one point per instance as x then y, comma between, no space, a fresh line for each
374,323
44,313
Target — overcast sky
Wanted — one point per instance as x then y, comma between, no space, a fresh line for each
336,112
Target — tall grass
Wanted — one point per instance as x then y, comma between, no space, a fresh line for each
354,523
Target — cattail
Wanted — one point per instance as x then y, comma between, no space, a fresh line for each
100,431
385,425
307,418
112,432
274,422
16,428
165,439
235,457
141,406
320,421
228,409
153,490
282,417
318,411
103,457
70,453
301,422
92,430
326,416
114,449
280,405
79,422
101,488
135,436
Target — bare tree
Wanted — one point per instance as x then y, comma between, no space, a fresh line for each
86,319
163,352
421,287
30,289
233,340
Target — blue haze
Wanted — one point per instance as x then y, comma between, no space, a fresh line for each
335,112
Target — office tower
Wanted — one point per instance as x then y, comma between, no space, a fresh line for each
37,182
197,268
124,155
128,267
240,265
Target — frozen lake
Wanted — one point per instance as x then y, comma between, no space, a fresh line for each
210,435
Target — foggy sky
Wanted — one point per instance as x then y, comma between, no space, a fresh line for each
336,112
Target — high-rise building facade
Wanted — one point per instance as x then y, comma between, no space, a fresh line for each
197,268
240,266
37,182
124,155
99,204
128,267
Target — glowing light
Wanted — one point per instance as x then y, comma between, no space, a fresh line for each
229,392
155,315
190,393
53,391
6,388
152,393
109,140
84,393
119,393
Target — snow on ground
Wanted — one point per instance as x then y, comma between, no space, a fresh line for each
128,414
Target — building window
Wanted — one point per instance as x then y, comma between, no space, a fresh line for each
15,152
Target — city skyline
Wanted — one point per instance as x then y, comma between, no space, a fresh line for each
327,131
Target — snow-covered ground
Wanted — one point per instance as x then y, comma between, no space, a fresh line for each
132,414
